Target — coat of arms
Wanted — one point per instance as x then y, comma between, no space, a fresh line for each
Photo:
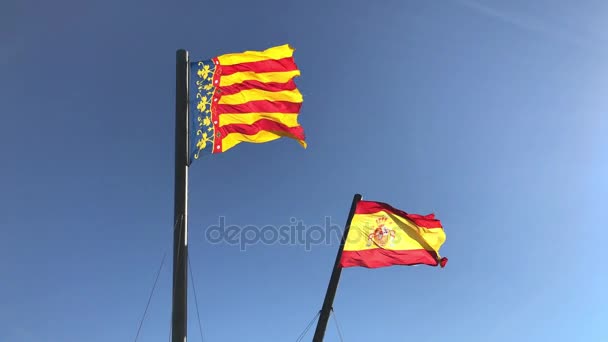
381,235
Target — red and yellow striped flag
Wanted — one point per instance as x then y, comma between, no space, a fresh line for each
381,235
244,97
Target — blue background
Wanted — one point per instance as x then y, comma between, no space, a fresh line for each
490,114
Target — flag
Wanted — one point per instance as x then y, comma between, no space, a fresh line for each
244,97
381,236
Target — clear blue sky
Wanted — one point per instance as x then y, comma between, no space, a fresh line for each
490,114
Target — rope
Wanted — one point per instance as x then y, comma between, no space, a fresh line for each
141,323
198,316
337,325
308,327
170,329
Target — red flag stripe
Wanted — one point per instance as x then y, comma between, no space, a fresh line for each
259,107
379,257
370,207
268,65
271,86
263,125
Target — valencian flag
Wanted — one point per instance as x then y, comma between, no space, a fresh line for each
381,235
244,97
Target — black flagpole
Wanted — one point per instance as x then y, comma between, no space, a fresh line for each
335,278
179,318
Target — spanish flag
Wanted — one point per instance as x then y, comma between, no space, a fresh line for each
244,97
381,236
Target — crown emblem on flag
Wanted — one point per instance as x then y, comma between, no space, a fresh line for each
381,235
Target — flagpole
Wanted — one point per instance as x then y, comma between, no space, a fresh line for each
335,278
179,316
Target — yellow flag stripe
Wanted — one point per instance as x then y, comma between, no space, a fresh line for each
261,95
289,120
234,139
264,77
277,52
402,234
